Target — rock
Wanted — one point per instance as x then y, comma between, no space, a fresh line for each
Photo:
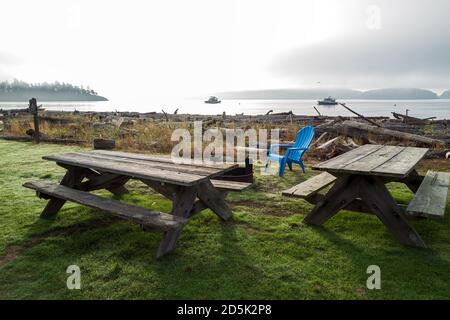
30,132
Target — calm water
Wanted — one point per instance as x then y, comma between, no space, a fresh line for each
418,108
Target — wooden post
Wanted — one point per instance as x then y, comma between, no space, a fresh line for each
317,111
34,110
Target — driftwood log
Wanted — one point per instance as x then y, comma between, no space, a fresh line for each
360,115
411,120
42,139
361,130
391,133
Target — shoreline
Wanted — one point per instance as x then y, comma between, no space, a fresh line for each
418,108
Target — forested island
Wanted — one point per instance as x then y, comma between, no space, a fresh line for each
22,91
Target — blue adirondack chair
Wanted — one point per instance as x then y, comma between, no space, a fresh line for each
294,152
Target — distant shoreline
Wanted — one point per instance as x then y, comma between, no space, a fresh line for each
339,94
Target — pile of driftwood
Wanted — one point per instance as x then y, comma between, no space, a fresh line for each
336,134
368,133
342,134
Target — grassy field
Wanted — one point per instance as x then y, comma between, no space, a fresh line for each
264,252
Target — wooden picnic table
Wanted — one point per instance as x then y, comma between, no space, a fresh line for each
190,187
359,180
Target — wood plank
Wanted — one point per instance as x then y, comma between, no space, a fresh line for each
164,159
170,166
138,171
310,186
403,163
143,216
347,158
431,198
372,161
230,185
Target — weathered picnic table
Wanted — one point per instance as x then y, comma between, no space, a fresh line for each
190,187
359,179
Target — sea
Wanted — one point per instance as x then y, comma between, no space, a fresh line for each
439,108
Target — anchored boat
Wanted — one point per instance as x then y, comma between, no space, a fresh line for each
213,99
327,102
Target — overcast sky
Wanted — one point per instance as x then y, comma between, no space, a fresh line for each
137,49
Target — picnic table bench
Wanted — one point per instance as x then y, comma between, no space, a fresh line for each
190,187
358,181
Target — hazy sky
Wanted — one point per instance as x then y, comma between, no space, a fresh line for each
137,49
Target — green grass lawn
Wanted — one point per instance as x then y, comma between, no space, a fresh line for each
264,252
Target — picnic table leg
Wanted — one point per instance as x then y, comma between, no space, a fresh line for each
167,191
183,202
213,199
114,183
72,178
119,189
375,194
413,181
343,192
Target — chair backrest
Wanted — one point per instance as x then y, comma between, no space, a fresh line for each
303,140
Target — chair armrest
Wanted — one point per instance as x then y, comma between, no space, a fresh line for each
295,149
280,145
288,150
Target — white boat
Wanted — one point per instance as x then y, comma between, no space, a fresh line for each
213,99
327,102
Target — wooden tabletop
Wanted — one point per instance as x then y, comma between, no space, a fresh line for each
370,159
155,168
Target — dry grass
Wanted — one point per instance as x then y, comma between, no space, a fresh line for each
132,135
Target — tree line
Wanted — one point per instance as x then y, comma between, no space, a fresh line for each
17,86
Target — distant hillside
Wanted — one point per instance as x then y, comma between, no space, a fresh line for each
291,94
386,94
399,94
22,91
445,95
